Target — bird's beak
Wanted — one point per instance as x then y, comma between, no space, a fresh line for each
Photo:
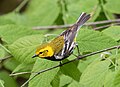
34,56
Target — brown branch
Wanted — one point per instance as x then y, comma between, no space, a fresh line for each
78,58
68,25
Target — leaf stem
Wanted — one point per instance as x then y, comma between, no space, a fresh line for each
5,48
1,59
17,10
116,59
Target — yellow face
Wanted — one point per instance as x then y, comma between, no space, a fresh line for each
45,52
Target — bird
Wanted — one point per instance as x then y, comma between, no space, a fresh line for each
64,44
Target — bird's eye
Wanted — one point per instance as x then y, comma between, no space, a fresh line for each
46,50
40,52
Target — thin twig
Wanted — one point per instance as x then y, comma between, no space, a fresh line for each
78,58
1,59
22,4
105,26
103,22
101,27
15,74
51,27
68,25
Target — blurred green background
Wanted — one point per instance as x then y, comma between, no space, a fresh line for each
19,39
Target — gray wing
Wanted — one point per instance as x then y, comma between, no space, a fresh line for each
70,34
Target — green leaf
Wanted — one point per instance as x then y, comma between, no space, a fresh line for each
75,84
43,79
118,60
8,81
117,79
70,70
108,14
75,7
24,48
94,74
61,80
95,14
42,16
113,32
109,79
112,6
2,83
23,68
10,33
83,63
10,64
2,52
65,80
56,81
112,79
12,18
6,19
90,40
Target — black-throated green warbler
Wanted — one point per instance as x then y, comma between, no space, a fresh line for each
63,45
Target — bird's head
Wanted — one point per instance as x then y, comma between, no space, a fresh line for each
44,51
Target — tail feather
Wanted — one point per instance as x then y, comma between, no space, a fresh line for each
82,19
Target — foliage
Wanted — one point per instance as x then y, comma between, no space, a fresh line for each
19,41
